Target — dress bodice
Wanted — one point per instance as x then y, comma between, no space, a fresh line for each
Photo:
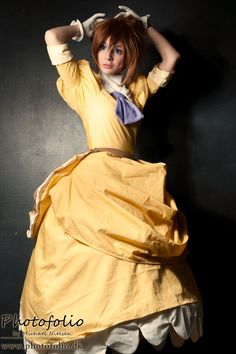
81,88
102,126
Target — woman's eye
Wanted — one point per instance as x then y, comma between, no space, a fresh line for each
102,46
118,51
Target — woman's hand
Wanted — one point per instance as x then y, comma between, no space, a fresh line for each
87,26
91,22
167,52
127,12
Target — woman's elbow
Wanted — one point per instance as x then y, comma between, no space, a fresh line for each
173,60
50,37
169,63
177,56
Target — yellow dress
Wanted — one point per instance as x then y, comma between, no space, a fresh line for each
110,241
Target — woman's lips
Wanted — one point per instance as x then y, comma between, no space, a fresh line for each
107,66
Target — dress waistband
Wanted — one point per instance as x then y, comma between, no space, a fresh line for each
115,152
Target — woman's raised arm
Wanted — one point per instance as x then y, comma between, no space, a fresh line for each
63,34
168,53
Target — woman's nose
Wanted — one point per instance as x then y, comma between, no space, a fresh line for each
108,54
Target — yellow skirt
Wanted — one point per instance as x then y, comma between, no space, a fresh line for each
110,248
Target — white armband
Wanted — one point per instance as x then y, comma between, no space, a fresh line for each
59,54
159,76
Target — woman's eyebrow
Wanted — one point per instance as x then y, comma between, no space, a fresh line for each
118,45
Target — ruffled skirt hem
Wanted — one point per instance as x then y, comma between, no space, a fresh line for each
181,323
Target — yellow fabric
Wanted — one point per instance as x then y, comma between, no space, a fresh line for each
110,239
80,88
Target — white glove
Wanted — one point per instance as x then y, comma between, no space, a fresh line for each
91,22
127,11
87,26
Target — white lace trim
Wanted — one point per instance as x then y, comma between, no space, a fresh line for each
182,323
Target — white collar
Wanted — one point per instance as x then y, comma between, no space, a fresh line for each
112,83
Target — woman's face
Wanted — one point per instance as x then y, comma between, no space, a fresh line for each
111,60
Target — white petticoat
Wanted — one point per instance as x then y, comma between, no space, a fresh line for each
182,323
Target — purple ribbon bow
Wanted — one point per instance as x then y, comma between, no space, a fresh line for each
126,111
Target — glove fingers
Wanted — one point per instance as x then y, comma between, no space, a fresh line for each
98,20
121,14
99,14
131,12
124,8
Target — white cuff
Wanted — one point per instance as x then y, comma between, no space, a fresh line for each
81,36
59,54
159,76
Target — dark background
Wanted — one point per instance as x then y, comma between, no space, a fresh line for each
191,125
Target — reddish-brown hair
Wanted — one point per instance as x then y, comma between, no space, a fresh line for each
129,31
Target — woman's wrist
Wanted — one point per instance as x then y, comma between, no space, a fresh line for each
80,31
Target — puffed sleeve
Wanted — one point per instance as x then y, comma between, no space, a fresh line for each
61,56
76,79
158,78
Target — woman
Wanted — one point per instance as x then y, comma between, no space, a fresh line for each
109,262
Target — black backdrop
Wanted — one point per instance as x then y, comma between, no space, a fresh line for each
191,125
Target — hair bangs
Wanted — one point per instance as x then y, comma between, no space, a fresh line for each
127,30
